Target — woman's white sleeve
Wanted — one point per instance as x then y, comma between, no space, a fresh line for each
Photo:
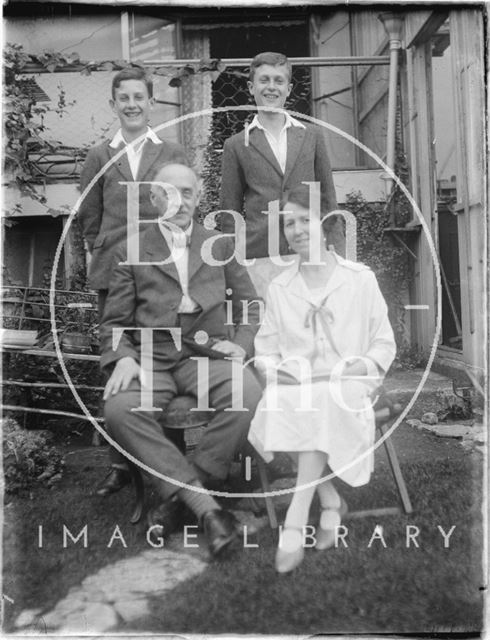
382,345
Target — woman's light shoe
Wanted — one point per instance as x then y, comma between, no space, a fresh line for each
290,552
329,520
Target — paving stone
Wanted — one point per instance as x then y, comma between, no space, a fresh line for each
429,418
73,602
53,619
132,580
94,618
451,430
27,617
476,435
413,422
131,610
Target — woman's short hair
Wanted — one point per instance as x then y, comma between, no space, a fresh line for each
299,195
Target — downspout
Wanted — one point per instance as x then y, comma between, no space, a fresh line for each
392,23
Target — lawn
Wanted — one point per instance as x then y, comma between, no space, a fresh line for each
361,588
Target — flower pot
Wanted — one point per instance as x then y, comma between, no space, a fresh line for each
76,342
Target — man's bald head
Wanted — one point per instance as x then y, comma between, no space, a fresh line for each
174,170
175,193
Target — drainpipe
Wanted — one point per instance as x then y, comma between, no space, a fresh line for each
392,23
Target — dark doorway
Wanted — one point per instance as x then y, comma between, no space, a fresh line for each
444,122
451,286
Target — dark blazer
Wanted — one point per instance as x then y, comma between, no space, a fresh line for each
103,212
252,177
149,296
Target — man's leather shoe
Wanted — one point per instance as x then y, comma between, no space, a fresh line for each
221,531
166,518
114,481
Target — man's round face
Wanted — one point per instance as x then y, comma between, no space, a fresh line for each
185,184
270,85
132,105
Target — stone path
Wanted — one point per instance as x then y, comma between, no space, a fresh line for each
119,594
472,434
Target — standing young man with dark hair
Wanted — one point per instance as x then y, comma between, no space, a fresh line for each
274,153
103,212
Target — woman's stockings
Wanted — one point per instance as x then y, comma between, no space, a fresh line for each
310,468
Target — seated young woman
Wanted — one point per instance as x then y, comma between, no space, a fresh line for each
324,346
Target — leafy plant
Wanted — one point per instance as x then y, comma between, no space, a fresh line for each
389,262
23,121
29,457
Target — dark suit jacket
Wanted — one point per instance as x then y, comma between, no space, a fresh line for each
149,296
252,177
103,212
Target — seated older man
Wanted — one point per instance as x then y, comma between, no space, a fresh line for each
183,285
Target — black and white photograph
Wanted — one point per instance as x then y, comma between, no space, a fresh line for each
244,305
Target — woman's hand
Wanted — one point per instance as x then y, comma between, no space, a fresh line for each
230,348
355,368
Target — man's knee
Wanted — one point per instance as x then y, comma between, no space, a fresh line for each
252,390
117,408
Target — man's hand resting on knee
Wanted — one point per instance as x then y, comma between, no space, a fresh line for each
125,370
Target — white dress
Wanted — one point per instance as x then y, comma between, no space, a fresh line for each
344,319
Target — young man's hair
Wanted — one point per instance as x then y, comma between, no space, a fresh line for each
271,58
131,73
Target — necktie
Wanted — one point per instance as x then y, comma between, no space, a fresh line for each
180,240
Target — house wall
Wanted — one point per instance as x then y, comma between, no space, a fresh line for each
331,103
88,117
444,122
467,38
372,93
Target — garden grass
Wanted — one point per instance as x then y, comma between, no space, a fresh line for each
430,589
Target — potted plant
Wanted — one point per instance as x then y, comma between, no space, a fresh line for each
76,336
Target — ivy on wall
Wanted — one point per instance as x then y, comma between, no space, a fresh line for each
25,131
390,262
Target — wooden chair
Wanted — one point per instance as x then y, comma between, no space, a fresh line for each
180,420
385,412
182,426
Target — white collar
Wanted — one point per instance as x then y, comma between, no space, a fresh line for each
170,227
255,124
286,276
118,139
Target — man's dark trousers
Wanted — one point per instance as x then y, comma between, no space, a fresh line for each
140,434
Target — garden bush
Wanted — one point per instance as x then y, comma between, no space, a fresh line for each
29,458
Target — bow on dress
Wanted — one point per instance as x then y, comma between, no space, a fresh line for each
319,315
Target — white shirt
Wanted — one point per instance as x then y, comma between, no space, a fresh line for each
278,145
177,242
134,150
